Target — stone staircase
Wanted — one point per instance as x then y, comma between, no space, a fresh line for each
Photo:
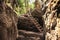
37,25
31,35
28,35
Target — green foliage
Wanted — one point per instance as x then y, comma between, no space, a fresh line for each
21,2
22,6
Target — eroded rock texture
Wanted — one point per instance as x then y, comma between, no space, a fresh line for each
8,22
52,17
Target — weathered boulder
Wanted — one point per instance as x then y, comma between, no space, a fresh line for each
8,22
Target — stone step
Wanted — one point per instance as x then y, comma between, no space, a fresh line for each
28,35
